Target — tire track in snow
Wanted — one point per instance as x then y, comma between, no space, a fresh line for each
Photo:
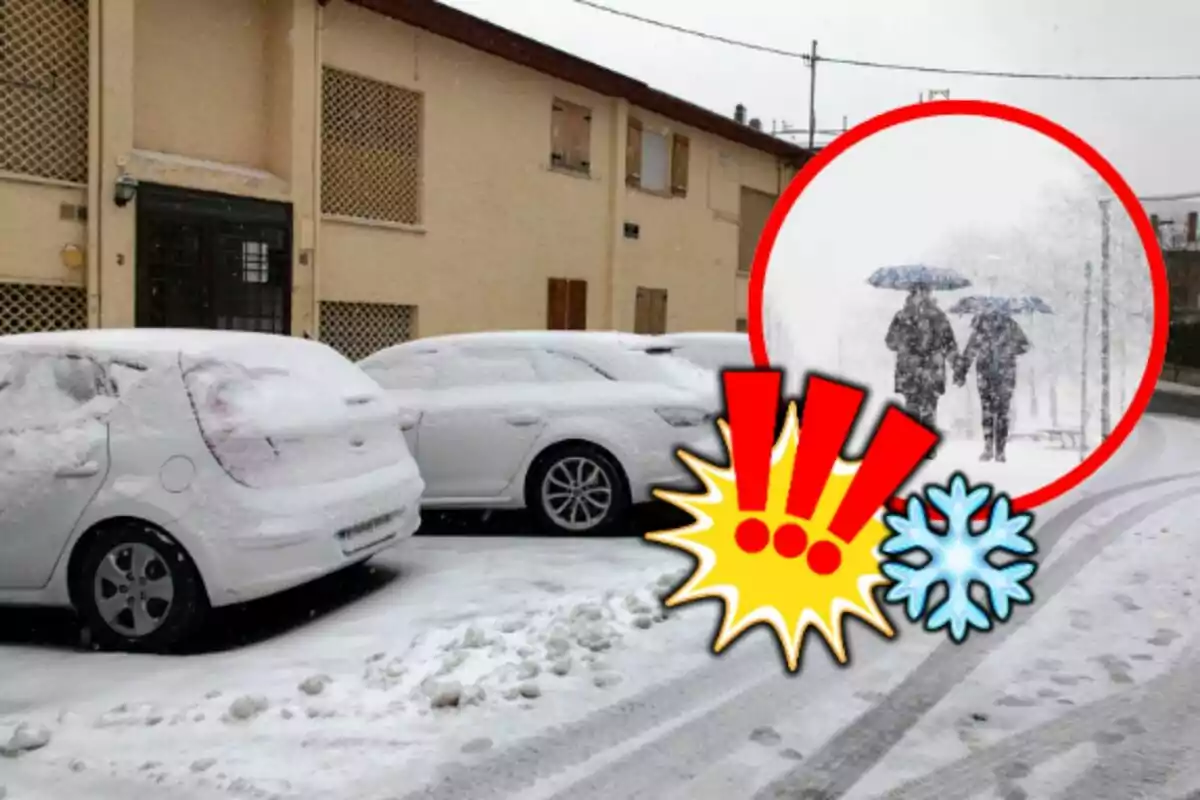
685,751
1168,702
728,679
833,770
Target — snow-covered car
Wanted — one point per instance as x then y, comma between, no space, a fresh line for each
716,350
148,476
576,426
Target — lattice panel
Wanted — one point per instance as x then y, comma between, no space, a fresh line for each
370,149
31,307
44,88
357,330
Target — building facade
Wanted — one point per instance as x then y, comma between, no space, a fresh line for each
360,172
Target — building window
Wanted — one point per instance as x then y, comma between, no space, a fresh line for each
743,326
256,267
566,305
357,330
32,307
650,311
754,209
370,149
570,137
44,89
656,162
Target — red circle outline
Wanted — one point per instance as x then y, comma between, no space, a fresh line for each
1044,126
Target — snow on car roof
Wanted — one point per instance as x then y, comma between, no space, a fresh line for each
149,341
631,341
707,337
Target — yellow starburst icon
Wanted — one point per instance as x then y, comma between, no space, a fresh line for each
752,561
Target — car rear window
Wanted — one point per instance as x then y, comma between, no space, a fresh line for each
292,415
292,384
39,390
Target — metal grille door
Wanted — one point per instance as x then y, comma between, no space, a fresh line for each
213,261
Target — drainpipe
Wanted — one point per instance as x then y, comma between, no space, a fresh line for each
318,102
95,193
616,202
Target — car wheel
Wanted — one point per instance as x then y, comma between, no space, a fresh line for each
578,489
138,590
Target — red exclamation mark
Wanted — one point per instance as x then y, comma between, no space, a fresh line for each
898,446
752,403
830,409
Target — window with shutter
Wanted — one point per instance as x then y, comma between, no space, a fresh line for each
633,154
650,311
570,137
680,147
566,304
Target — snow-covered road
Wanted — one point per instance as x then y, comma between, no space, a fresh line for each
489,667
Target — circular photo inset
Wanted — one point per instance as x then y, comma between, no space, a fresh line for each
983,276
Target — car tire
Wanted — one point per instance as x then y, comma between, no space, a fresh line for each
578,489
165,599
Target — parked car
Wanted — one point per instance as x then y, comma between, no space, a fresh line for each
577,426
718,351
715,350
147,476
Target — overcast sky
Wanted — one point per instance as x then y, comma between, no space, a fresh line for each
1149,131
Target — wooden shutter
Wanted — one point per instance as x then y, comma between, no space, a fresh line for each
680,148
633,154
570,136
658,315
577,305
566,305
579,139
558,290
558,135
650,311
641,311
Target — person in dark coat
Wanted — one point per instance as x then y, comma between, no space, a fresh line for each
995,343
923,340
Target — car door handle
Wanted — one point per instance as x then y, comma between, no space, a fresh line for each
87,470
523,418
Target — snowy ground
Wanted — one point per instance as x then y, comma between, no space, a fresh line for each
1029,465
445,672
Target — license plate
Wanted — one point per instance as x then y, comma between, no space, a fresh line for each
368,533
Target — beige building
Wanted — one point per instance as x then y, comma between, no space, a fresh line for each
360,171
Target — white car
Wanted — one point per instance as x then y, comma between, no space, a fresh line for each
147,476
718,351
576,426
715,350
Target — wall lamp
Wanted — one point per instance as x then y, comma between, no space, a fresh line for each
124,190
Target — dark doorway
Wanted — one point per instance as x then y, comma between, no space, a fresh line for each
208,260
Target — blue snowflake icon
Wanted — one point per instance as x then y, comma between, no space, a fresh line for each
958,557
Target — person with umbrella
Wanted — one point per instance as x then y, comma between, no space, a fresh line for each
995,343
923,340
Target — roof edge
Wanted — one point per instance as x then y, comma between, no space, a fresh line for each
488,37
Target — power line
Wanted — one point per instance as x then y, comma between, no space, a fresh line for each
1170,197
882,65
712,37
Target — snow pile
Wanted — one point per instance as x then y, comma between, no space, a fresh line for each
517,657
477,644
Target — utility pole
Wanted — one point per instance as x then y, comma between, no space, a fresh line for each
1105,322
1083,385
812,96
